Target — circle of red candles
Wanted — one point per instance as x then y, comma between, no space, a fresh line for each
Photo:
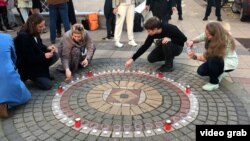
77,123
160,75
188,89
168,125
60,89
90,74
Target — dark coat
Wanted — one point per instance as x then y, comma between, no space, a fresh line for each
31,61
108,9
161,7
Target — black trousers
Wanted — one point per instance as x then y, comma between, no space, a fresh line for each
3,12
110,24
217,7
165,52
45,83
213,68
179,8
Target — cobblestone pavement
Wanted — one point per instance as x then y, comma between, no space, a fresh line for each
137,98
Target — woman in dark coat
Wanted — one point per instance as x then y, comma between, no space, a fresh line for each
33,57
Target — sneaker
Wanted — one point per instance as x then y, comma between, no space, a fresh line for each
58,35
221,76
118,44
210,87
107,38
164,68
132,43
3,110
205,19
10,29
53,42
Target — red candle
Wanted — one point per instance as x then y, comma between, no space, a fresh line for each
160,75
60,89
77,123
188,89
168,125
90,74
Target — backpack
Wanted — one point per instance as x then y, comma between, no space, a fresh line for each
138,22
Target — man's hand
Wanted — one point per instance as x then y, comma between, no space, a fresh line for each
52,48
147,8
129,63
68,74
85,62
165,40
191,55
174,9
48,55
115,10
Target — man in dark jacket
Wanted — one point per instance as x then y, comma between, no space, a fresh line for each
162,9
33,57
110,19
169,43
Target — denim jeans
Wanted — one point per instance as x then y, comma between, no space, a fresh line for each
54,11
213,68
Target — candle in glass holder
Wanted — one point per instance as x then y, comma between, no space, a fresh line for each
60,89
168,125
160,75
90,74
188,89
77,123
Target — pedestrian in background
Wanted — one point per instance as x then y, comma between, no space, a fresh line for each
110,19
217,4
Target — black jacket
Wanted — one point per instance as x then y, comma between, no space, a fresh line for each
31,61
168,30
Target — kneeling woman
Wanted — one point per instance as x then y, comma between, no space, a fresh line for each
75,48
219,56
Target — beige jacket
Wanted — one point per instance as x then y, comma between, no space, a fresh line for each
24,3
116,3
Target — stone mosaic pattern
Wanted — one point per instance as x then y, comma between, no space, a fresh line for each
36,120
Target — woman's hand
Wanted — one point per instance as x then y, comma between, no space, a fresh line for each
68,74
85,62
192,55
52,48
115,10
129,63
190,43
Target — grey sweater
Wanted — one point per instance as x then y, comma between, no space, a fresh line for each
66,44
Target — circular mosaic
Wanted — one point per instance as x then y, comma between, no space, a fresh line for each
133,105
131,94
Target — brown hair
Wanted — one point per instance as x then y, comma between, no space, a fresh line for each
78,29
152,23
217,45
32,22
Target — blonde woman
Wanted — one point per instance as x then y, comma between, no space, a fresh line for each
219,56
75,49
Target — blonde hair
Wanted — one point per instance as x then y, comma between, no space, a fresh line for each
77,29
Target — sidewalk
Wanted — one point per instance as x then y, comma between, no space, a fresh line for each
229,105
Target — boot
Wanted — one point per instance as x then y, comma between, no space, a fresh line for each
3,110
